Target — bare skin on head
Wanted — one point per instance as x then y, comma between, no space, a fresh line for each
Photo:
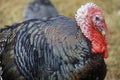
91,20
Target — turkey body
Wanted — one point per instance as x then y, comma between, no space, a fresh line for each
59,48
40,9
54,49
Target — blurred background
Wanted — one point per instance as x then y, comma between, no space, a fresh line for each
11,11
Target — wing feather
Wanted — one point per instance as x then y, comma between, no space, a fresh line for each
50,49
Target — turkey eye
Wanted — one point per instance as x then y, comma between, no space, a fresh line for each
97,18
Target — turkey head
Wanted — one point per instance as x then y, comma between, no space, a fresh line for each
91,20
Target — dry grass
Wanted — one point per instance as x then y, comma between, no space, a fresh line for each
11,11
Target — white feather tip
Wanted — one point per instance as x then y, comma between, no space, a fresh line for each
82,11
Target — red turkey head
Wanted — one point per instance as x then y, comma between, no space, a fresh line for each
91,20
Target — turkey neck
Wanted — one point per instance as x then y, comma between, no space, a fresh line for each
99,44
91,64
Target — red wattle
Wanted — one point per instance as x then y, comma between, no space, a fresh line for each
99,44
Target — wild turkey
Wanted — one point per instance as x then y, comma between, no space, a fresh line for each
40,9
59,48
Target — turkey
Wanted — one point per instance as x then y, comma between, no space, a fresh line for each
42,9
57,49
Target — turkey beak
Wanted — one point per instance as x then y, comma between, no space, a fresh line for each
101,29
103,33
